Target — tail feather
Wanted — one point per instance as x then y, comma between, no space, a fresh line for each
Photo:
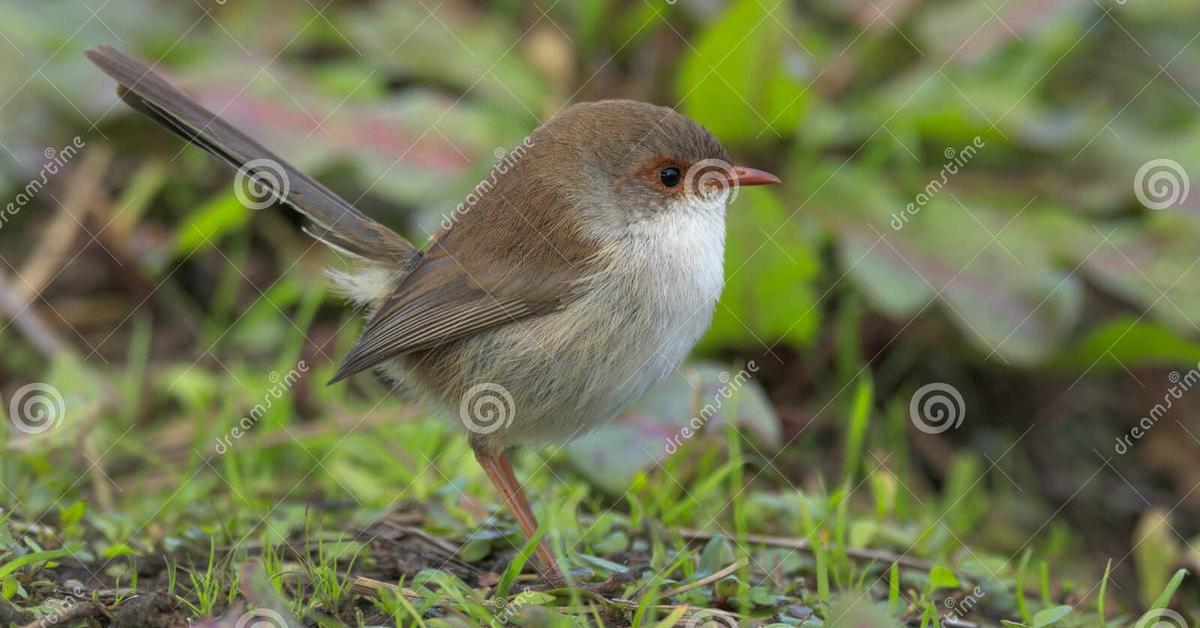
333,220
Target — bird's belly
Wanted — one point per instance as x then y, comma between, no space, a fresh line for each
554,377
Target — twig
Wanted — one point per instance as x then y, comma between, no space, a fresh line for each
363,585
804,546
65,616
83,190
26,319
736,565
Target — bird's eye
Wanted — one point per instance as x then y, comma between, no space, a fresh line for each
670,176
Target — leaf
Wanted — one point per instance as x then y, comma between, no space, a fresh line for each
73,514
682,408
31,558
206,225
940,577
469,50
1154,555
747,73
1128,342
991,273
716,554
1164,598
1051,616
768,259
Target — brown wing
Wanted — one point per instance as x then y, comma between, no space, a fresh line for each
334,221
442,301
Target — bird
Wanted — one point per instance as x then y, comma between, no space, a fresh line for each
578,278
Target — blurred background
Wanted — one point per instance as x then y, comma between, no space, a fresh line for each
962,335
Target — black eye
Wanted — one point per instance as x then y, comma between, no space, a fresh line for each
670,177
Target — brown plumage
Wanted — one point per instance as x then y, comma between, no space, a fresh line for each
583,276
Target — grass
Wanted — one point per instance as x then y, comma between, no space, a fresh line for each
383,518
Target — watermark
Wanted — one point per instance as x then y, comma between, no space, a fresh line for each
56,160
507,609
36,408
279,386
507,160
710,619
1179,385
261,618
729,387
260,183
1161,618
1161,183
955,161
711,178
486,408
958,609
937,407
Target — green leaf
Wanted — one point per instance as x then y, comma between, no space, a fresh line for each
31,558
1051,616
1154,555
940,577
73,514
769,259
1168,592
745,74
1128,342
716,554
208,223
685,407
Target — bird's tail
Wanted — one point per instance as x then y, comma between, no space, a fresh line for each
333,220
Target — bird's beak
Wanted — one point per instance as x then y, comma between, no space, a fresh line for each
752,176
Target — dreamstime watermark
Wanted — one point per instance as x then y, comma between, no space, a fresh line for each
36,408
486,408
958,609
507,609
937,407
729,386
955,161
1179,385
710,619
279,386
260,618
55,611
1161,183
56,160
1161,618
260,183
507,160
711,178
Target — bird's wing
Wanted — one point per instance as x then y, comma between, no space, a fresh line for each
333,220
442,300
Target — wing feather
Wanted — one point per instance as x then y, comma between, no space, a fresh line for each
334,221
430,309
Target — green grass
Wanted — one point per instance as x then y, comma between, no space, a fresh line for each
291,526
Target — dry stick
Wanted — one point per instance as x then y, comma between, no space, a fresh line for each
27,321
736,565
83,192
363,585
804,546
63,617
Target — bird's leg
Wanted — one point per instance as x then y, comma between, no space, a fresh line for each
500,472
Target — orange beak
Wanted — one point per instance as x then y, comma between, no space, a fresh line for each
752,176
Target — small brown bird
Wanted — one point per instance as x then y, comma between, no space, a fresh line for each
581,277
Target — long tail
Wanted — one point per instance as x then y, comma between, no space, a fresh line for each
333,220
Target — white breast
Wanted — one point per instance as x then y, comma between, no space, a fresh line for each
640,318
